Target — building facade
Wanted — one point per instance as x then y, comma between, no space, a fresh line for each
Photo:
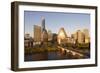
28,41
44,33
37,34
50,35
62,36
80,37
86,35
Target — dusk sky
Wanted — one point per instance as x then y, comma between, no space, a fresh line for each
55,20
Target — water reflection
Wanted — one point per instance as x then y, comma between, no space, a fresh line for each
58,55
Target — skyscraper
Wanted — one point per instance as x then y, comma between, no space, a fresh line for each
86,34
74,36
44,35
80,37
37,34
61,38
50,35
43,23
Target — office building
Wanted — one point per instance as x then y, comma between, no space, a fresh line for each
74,36
50,35
37,34
86,35
61,38
43,23
80,37
44,34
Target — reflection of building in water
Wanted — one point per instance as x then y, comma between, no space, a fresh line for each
86,35
61,38
37,34
28,41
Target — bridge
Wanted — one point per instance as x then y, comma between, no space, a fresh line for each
74,53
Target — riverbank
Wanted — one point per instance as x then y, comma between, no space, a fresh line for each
40,50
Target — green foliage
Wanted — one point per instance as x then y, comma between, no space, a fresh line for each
83,46
40,49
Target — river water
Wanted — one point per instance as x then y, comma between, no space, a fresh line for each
49,56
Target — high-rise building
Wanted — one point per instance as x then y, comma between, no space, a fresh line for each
54,38
74,37
50,35
80,37
44,34
43,23
37,34
86,34
61,38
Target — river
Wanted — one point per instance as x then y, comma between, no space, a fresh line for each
58,55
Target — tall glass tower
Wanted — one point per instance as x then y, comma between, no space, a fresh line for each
43,23
44,36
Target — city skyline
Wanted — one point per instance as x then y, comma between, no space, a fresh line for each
70,21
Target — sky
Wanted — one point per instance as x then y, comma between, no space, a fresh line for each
71,22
